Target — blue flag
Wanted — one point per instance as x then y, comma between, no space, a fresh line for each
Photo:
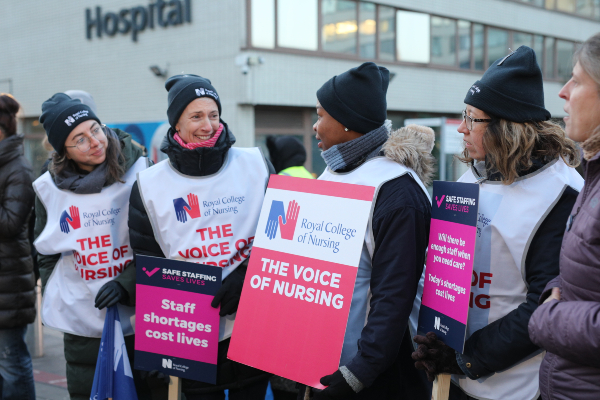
113,378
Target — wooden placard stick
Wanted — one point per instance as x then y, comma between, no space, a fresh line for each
174,388
441,387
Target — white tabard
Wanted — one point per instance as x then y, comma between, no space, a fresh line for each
207,219
508,218
374,172
91,234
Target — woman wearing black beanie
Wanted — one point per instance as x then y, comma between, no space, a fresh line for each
17,283
81,221
360,148
524,165
167,218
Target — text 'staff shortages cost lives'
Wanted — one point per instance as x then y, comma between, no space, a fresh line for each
177,331
445,303
298,288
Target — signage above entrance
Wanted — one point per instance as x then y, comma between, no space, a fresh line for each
136,19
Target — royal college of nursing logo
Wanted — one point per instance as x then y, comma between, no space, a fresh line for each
183,209
278,218
72,220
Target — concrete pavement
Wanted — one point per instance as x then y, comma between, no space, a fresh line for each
49,371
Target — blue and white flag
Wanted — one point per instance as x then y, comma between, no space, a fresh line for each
113,378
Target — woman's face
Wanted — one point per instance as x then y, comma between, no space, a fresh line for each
474,138
582,103
86,145
329,131
199,121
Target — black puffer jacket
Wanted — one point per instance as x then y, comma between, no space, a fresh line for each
202,161
17,295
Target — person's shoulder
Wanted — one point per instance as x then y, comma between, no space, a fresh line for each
401,192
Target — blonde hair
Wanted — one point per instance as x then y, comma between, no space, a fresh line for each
511,147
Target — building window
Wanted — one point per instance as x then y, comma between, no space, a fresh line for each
464,44
478,46
443,41
367,28
263,23
297,24
412,37
564,59
340,26
549,57
497,44
387,33
367,31
582,8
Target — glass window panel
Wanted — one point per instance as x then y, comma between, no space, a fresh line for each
566,5
263,23
367,27
585,8
297,24
550,4
549,58
538,47
564,56
478,43
539,3
521,39
412,36
443,41
387,32
497,44
339,26
464,44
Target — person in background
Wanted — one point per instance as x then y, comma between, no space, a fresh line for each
524,166
82,207
567,324
358,148
203,165
17,284
288,156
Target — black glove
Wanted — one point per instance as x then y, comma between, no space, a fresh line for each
229,293
156,375
337,388
435,357
110,294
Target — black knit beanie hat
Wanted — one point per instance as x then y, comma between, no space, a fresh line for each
356,98
183,89
511,89
60,115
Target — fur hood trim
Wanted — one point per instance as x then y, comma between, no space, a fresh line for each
411,146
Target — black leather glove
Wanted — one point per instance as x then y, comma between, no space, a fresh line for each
435,357
229,293
110,294
157,376
337,388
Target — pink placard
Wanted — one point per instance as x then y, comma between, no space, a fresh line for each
190,333
293,344
449,269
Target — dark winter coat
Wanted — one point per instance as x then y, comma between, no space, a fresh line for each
569,329
81,353
202,161
17,285
285,152
505,342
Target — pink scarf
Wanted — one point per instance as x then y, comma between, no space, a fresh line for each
207,143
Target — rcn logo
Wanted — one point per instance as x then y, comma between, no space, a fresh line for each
437,322
278,218
73,219
192,209
167,363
